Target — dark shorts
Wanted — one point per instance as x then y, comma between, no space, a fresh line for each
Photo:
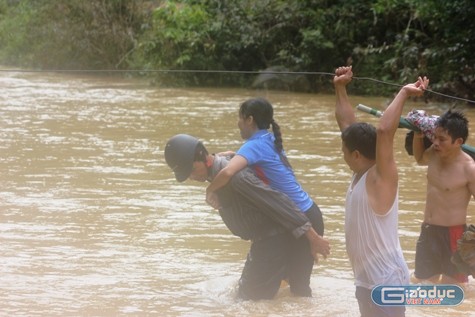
434,250
369,309
265,267
301,260
280,257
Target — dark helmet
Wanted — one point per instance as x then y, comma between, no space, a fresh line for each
180,154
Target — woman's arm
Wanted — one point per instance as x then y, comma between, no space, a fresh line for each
236,164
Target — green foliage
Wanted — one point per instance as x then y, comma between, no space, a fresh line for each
14,35
449,56
391,40
68,34
178,38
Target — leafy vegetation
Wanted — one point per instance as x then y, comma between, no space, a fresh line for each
391,40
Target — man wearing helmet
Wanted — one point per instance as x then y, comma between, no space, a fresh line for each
253,211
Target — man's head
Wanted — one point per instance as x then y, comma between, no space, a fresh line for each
455,124
451,132
361,137
359,145
183,153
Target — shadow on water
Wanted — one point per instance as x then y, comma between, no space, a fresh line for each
94,224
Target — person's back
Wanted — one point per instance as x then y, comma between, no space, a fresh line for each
254,211
263,151
241,209
372,240
371,210
261,156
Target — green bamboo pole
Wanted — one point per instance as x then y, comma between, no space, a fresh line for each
403,123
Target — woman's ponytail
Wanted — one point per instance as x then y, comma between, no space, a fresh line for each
279,147
263,114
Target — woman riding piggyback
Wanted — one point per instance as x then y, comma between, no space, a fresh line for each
263,152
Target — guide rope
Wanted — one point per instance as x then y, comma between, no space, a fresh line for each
219,72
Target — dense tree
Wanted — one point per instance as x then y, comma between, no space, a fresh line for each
69,34
392,40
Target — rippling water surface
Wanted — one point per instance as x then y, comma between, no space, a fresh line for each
93,223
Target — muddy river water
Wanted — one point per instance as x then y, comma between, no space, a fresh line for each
93,223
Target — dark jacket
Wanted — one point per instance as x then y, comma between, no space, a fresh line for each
252,210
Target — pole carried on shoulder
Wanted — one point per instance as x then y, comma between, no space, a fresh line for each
404,123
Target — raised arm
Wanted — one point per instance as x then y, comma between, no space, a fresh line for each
386,177
388,125
344,113
421,154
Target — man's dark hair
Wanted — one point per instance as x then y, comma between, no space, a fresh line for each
361,136
263,113
200,153
455,123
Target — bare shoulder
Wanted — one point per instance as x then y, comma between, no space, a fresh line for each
469,173
469,166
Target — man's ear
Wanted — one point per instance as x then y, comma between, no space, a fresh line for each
356,154
209,161
458,141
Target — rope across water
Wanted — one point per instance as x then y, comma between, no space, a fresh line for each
220,72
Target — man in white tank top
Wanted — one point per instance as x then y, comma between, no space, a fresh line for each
371,210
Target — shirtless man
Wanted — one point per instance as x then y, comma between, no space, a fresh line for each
450,186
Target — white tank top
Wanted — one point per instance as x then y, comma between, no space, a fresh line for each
372,240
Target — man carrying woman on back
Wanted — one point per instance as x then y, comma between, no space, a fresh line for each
263,152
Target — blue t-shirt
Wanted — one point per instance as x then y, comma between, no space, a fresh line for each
259,151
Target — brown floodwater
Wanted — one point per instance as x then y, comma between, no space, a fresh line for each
93,223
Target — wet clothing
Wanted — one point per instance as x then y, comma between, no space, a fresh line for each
265,268
369,309
276,227
464,257
301,260
372,244
435,247
253,210
279,257
372,241
261,155
424,122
